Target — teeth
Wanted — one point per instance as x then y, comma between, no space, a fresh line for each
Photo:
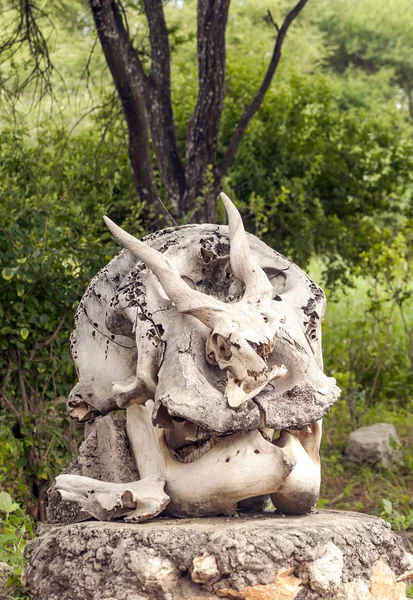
192,452
265,436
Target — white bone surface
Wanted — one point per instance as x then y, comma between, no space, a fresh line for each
207,337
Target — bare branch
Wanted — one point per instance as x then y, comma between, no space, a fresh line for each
26,31
7,403
252,108
22,385
39,346
10,406
271,19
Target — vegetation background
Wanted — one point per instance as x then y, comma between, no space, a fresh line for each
324,174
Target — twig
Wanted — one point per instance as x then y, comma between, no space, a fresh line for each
10,406
22,385
49,339
271,18
256,102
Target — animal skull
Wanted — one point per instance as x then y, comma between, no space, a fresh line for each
242,334
226,349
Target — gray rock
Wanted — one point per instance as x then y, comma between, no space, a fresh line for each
168,559
5,572
377,444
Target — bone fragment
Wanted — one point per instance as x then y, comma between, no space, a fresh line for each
245,267
239,466
299,493
237,395
136,501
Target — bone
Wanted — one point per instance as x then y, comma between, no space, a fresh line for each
136,501
237,467
299,493
140,388
250,387
182,295
245,267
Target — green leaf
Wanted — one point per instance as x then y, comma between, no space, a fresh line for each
24,332
8,273
6,503
5,538
387,506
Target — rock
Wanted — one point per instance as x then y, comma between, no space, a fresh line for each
204,569
329,555
5,572
377,444
324,574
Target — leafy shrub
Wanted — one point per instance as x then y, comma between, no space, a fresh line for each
52,241
16,527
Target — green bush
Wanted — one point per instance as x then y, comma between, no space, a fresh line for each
52,242
16,527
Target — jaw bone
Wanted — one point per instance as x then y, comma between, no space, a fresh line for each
238,466
299,492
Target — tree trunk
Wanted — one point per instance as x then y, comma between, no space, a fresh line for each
201,175
129,80
159,108
192,189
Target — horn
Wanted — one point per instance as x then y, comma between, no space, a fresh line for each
205,308
245,267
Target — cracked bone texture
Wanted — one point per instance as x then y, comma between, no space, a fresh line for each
203,558
209,327
104,455
237,467
120,297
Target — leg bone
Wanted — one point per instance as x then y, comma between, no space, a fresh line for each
136,501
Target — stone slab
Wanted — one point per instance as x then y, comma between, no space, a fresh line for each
328,554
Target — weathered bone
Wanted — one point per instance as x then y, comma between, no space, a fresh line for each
136,501
235,325
299,493
239,466
184,332
182,295
243,264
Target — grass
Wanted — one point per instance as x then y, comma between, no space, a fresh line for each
366,347
16,527
363,488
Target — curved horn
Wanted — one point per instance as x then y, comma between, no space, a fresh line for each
204,307
245,267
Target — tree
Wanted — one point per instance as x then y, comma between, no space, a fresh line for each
372,39
190,183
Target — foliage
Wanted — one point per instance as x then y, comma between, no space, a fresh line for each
316,179
398,521
325,168
371,45
16,527
52,242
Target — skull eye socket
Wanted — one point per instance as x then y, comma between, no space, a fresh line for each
223,348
